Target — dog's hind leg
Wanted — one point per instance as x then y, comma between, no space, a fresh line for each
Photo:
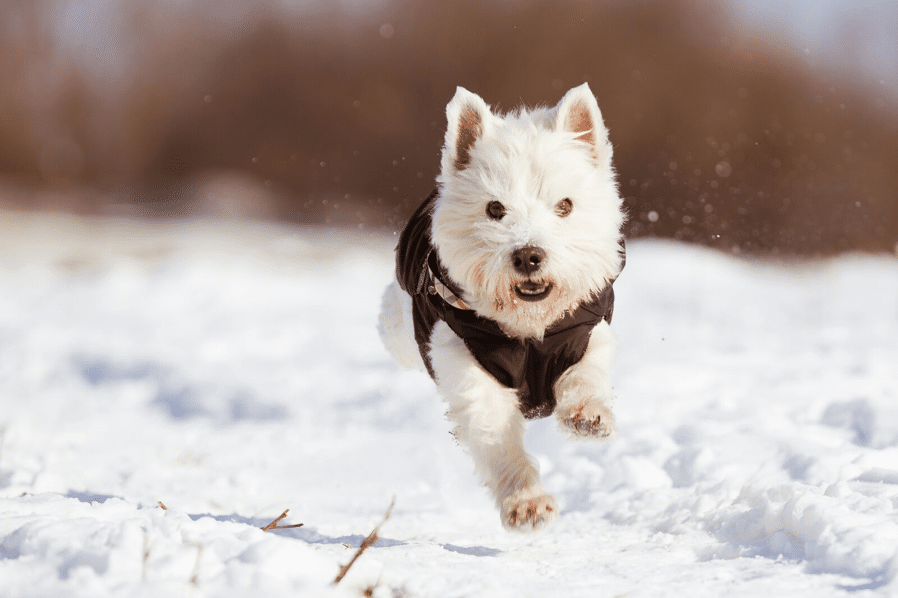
490,425
584,391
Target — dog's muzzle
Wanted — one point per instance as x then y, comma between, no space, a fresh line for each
528,260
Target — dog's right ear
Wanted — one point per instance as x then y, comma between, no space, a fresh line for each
468,119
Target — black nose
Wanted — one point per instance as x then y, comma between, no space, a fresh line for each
527,259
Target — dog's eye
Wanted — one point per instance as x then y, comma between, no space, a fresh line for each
495,210
564,207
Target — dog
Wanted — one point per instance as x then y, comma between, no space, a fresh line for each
503,290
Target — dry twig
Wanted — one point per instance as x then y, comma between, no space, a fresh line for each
160,503
196,566
366,543
146,556
274,524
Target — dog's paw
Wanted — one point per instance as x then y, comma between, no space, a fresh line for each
523,513
591,419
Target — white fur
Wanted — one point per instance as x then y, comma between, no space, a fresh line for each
528,160
583,392
397,330
528,163
490,425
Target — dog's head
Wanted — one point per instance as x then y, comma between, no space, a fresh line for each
528,217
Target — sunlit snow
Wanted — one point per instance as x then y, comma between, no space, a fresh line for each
232,371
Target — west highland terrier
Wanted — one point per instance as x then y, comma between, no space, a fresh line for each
503,291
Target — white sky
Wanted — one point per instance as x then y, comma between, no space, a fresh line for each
847,34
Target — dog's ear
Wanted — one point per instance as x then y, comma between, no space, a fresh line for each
578,112
468,117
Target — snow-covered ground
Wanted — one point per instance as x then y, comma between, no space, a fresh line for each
232,371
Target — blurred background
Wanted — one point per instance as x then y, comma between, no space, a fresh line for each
753,126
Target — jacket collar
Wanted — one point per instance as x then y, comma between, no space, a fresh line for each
439,283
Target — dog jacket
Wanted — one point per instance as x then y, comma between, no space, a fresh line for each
530,366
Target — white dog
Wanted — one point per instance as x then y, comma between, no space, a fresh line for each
503,291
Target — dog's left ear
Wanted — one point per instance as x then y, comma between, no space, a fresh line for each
578,112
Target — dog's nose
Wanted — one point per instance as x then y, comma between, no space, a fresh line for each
527,259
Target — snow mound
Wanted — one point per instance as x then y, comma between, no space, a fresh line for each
233,370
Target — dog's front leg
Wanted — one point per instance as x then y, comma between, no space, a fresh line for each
490,425
584,391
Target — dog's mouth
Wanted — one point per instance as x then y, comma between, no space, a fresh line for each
531,290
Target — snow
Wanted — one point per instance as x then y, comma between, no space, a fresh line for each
232,370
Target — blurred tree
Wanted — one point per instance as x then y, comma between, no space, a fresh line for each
719,139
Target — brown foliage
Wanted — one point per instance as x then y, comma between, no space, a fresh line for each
719,140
